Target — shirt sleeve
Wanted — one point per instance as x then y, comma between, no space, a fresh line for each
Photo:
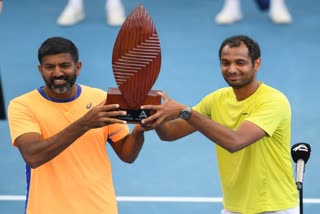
205,106
21,120
117,131
269,115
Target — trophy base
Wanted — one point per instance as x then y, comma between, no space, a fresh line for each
134,114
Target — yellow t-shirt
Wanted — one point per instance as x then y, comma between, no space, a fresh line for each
78,180
259,177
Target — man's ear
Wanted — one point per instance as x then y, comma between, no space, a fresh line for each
257,64
40,69
79,66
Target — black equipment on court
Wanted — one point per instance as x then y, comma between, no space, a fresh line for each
300,153
2,107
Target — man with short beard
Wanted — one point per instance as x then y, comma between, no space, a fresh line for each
250,123
61,130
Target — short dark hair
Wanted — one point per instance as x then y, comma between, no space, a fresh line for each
237,40
57,45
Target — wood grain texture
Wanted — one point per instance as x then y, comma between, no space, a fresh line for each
136,57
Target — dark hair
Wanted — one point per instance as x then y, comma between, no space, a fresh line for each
237,40
57,45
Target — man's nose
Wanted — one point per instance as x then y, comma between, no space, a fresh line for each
232,68
57,71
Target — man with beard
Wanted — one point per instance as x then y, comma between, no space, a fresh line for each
61,130
250,123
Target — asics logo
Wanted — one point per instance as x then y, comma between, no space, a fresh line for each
89,105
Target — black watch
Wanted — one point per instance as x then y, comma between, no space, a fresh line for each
185,113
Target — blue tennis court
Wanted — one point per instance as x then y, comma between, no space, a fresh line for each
182,176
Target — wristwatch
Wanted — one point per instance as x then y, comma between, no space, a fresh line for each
185,113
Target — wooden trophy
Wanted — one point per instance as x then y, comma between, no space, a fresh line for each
136,61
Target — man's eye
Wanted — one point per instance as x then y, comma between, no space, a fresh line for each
241,62
65,66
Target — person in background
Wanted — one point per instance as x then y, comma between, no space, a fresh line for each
61,130
231,12
250,123
74,13
1,6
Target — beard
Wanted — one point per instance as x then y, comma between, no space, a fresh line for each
61,88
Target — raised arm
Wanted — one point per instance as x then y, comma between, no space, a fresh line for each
129,147
166,121
169,126
231,140
37,152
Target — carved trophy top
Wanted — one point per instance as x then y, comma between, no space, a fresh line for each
136,57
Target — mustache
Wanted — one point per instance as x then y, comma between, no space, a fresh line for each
58,78
232,75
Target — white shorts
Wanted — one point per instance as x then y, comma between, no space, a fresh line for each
294,210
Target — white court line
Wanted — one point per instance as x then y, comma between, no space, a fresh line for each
167,199
157,199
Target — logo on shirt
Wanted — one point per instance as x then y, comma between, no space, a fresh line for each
89,105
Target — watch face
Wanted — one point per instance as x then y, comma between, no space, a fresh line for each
185,114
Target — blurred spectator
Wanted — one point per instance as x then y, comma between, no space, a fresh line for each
74,13
231,12
1,5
